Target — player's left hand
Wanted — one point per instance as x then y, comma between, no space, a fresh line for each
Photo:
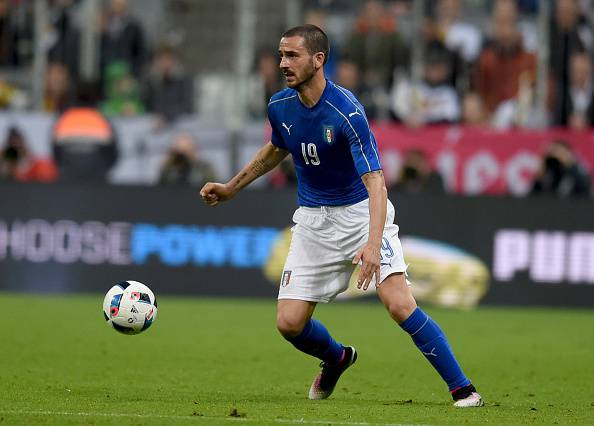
369,256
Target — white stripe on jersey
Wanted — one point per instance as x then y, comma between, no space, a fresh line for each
346,95
354,131
341,90
281,99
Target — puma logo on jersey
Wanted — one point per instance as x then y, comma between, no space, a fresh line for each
354,113
288,128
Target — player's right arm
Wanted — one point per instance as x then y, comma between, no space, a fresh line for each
265,160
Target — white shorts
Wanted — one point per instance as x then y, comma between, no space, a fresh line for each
324,242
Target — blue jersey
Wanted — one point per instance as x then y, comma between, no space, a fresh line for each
331,144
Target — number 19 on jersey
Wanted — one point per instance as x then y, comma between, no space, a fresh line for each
310,154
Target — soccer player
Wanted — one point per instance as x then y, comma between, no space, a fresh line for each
344,217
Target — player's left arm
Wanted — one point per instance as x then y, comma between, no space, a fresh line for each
369,255
367,162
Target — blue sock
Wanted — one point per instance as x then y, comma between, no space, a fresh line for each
432,342
316,341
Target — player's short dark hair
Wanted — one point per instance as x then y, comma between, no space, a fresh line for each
315,39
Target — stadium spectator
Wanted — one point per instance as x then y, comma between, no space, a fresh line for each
59,90
417,176
457,35
265,83
503,63
577,111
123,94
16,33
348,76
63,36
8,36
520,111
569,33
463,39
169,90
18,164
433,101
318,17
11,97
561,174
376,47
84,143
122,38
183,166
473,110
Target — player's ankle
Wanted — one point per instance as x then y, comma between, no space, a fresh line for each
463,392
337,362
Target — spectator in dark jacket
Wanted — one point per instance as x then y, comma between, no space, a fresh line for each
570,33
576,109
169,90
84,142
183,166
561,174
122,38
8,36
64,38
417,175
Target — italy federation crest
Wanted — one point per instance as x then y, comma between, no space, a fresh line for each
286,278
329,134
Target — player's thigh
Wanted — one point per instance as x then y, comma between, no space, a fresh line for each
315,269
354,235
396,295
292,315
391,255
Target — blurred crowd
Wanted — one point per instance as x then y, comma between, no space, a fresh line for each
479,73
478,70
133,78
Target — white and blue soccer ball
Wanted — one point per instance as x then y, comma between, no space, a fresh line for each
130,307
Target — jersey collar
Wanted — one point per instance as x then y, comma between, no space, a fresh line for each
320,101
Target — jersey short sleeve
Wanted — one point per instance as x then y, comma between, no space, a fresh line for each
275,137
362,143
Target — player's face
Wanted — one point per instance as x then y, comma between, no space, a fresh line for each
296,63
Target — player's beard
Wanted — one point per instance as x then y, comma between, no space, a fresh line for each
307,77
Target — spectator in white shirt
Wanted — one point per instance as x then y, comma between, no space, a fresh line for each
432,101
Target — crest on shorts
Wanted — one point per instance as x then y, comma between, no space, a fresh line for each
286,278
329,134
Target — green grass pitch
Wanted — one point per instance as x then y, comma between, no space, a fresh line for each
215,361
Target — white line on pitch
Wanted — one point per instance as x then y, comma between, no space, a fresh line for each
198,417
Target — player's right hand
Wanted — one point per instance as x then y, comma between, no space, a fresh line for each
214,193
369,256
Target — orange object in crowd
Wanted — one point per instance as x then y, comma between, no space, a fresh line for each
82,122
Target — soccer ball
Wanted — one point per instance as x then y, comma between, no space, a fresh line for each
130,307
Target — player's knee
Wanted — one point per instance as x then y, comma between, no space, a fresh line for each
289,325
400,310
